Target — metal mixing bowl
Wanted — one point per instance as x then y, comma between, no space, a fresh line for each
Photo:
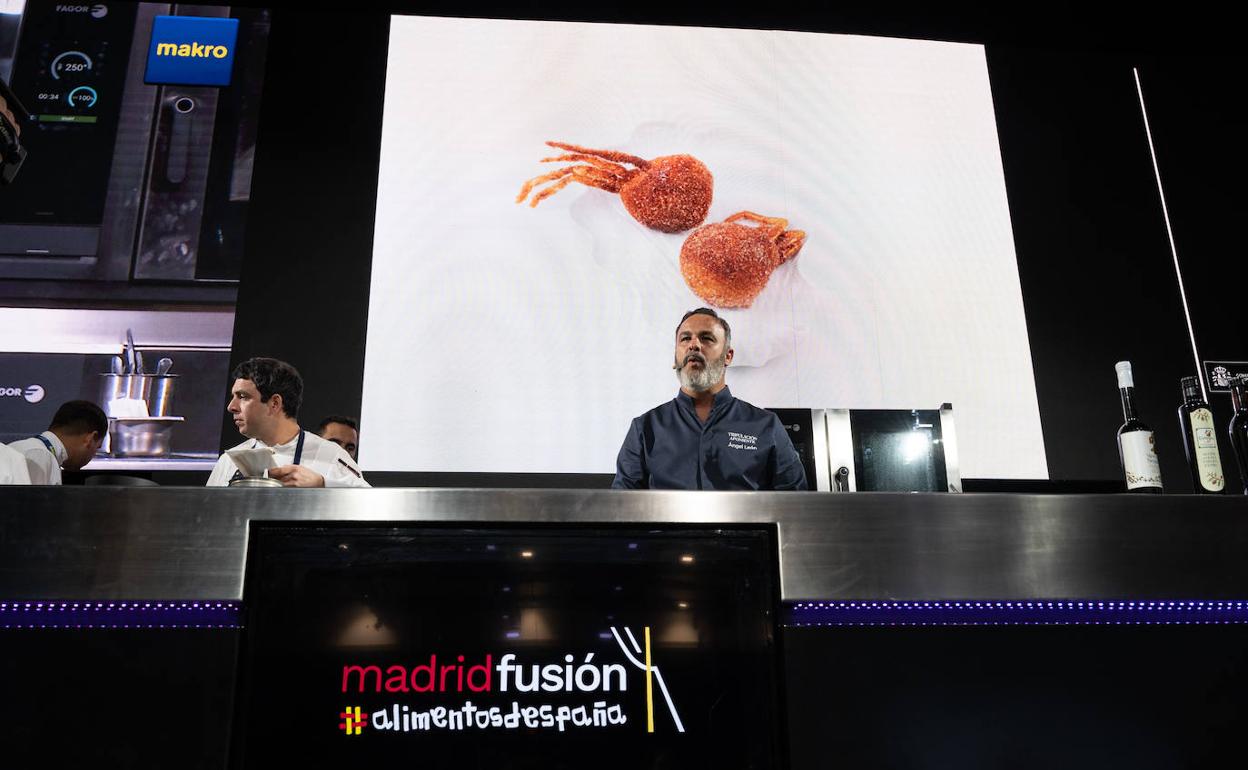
141,436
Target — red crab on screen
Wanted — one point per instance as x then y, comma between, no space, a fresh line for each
728,263
671,193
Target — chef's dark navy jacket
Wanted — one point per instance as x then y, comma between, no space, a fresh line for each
738,447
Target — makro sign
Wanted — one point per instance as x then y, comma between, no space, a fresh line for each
191,51
510,692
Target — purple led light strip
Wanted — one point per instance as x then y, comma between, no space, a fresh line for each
1056,612
228,614
120,614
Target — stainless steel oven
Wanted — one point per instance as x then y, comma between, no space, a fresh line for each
144,186
876,450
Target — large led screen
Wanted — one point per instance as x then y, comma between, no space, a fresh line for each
522,313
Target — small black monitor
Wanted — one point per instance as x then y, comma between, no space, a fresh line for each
898,450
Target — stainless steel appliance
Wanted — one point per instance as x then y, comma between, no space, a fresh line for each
876,450
893,450
125,182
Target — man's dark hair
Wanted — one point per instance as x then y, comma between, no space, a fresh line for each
712,314
77,417
347,421
272,376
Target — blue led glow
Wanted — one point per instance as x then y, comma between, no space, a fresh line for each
119,614
86,90
1016,612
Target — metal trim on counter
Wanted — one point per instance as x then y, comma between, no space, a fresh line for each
103,543
949,440
840,449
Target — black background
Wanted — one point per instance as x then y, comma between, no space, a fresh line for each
1016,696
1097,276
955,697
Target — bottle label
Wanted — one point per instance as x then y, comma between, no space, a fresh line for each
1139,459
1205,447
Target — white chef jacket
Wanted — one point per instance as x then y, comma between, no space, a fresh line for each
43,463
324,457
13,466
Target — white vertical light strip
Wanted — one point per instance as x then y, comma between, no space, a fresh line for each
1165,212
78,330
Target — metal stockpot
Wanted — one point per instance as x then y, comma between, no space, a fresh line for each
141,436
255,482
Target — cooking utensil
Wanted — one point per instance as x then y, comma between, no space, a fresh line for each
256,482
138,362
159,393
141,436
115,365
163,366
129,349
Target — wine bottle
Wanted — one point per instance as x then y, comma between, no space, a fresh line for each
1239,426
1137,449
1200,440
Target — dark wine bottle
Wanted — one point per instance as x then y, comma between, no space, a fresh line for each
1200,440
1239,426
1137,448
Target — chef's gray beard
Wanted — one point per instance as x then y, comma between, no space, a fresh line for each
705,378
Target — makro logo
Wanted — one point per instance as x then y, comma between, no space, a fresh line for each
191,50
32,393
521,684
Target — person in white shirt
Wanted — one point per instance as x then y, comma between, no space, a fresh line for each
13,466
265,402
78,429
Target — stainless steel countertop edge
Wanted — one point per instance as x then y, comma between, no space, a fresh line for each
190,543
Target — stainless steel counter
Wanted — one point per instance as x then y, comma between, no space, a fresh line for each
190,543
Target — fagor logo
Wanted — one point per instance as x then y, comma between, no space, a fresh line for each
32,393
191,51
98,10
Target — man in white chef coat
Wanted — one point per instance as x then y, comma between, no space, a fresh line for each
13,467
78,429
264,401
